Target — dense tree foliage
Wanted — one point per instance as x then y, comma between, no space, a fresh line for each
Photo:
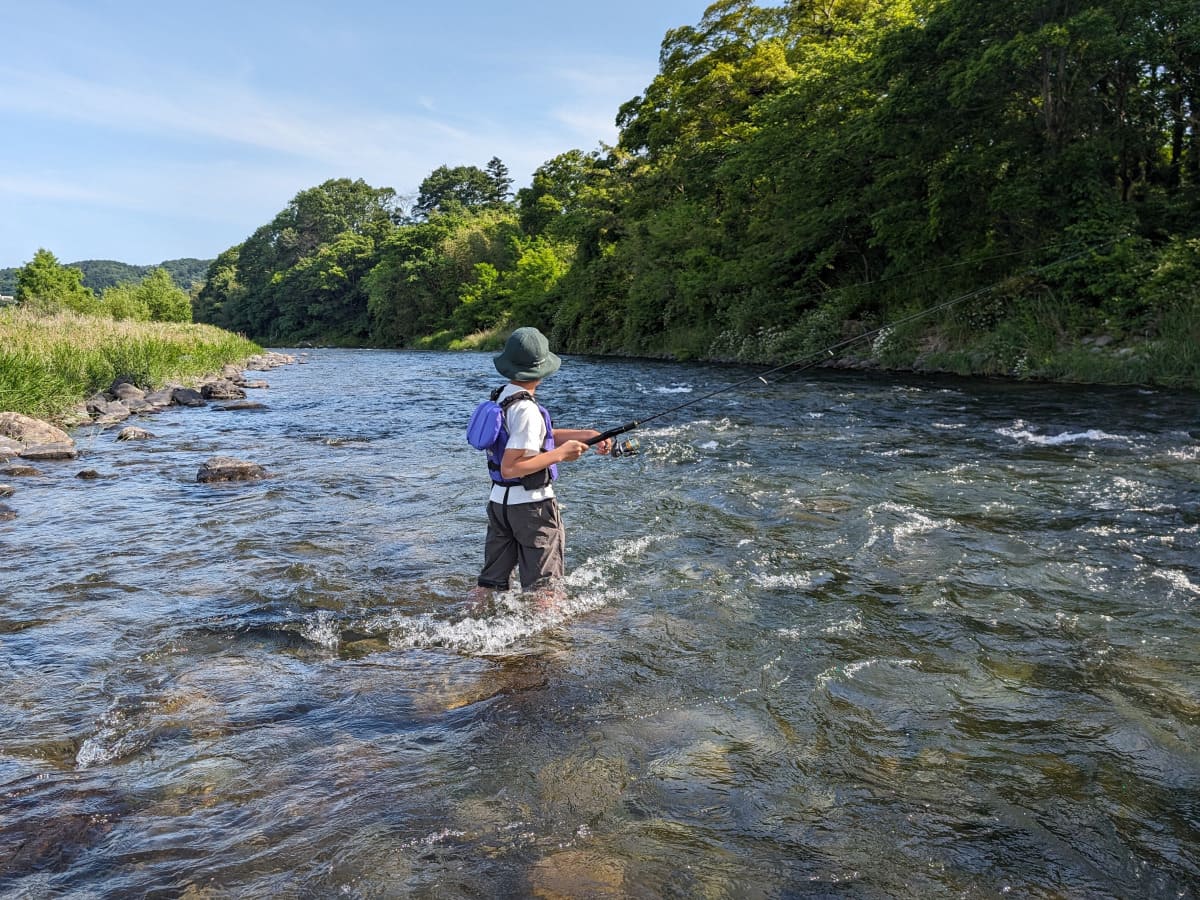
794,176
45,284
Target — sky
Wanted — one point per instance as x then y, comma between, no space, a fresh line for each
146,131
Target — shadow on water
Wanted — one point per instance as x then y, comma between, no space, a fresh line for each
833,636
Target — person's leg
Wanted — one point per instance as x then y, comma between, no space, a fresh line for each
541,540
500,550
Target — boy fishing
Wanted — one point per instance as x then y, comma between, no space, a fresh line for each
525,529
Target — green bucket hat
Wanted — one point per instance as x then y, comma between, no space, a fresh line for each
527,356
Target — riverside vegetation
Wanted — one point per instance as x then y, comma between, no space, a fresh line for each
48,363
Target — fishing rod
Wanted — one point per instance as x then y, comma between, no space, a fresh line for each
628,448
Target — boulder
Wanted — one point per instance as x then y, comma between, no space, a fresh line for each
222,389
56,450
6,490
9,448
113,412
133,433
87,474
226,468
182,396
28,430
127,391
231,373
161,398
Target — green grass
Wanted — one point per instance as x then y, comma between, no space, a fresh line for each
49,363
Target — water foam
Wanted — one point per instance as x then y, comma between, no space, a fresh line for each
1020,430
515,616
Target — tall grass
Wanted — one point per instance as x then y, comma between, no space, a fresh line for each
50,363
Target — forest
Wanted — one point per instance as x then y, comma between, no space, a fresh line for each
970,187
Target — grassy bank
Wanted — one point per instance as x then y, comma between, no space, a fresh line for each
50,363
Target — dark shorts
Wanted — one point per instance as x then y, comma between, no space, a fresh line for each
529,536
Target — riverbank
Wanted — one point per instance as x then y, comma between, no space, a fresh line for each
50,365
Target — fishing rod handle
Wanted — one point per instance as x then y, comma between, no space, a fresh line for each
612,433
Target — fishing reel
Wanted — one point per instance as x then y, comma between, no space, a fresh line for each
627,447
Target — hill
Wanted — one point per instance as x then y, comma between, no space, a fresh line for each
101,273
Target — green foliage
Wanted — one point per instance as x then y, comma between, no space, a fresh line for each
455,189
47,286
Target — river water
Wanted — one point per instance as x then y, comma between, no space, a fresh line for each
833,636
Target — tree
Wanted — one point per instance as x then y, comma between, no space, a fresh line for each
501,182
165,300
448,189
44,284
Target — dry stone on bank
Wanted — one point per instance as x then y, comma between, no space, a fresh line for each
32,438
222,389
27,430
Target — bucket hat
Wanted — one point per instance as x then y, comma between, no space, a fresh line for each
526,356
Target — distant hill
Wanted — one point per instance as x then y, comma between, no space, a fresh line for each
101,273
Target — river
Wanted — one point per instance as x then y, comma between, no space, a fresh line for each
836,635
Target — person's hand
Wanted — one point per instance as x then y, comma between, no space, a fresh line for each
572,450
604,446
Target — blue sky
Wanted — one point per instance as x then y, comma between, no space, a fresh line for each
146,131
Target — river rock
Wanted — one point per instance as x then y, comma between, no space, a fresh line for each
577,873
27,430
232,373
182,396
255,385
9,448
133,433
226,468
7,513
6,490
240,405
19,471
161,398
222,389
56,450
87,474
267,361
127,391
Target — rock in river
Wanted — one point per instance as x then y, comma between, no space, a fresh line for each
226,468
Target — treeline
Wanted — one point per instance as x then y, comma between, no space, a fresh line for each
795,176
99,274
45,286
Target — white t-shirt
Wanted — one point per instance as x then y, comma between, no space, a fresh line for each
526,431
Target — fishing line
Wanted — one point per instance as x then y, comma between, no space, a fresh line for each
809,360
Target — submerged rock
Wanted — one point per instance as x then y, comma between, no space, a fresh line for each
133,433
577,873
6,490
7,513
20,471
226,468
87,474
240,405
